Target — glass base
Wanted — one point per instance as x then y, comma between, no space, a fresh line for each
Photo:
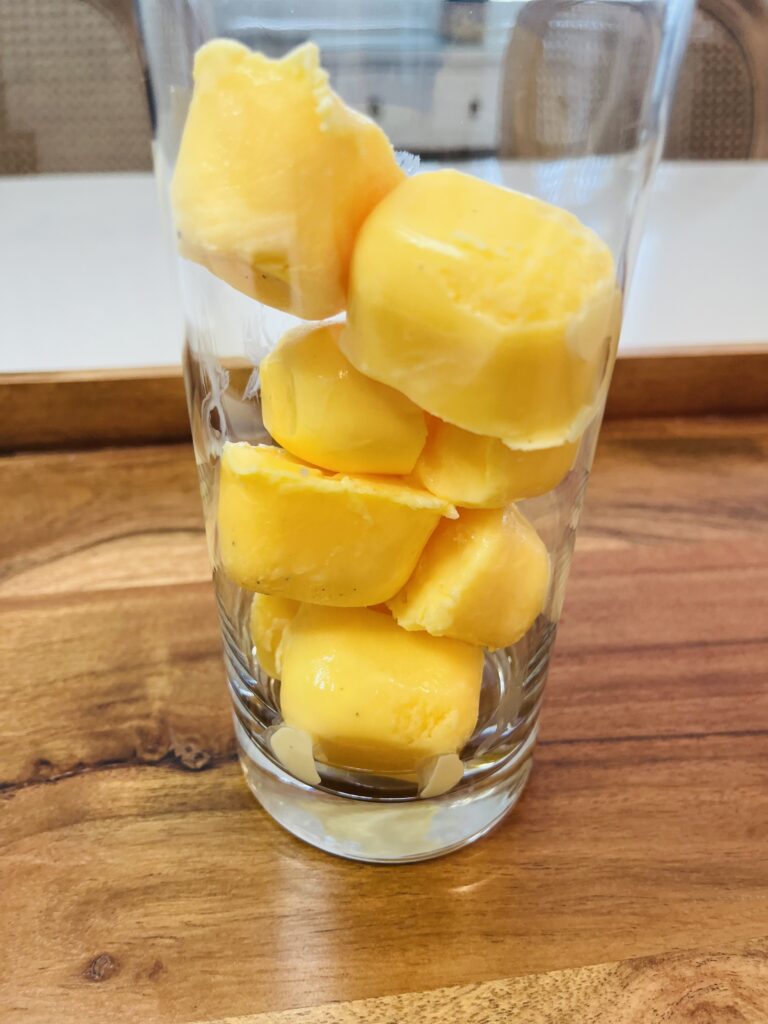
384,831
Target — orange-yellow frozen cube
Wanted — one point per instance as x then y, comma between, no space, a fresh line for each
319,407
291,530
482,579
274,177
373,696
269,618
490,309
482,472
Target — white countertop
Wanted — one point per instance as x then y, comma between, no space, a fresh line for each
85,281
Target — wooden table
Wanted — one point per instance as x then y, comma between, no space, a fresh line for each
141,882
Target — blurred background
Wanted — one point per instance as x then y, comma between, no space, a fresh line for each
78,206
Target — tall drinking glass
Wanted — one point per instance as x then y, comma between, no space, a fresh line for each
403,232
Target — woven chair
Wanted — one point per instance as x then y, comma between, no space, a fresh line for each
564,59
71,90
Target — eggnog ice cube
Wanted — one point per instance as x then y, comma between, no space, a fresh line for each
321,409
373,696
491,309
275,175
475,471
291,530
482,579
269,618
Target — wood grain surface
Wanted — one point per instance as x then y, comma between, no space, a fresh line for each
140,881
82,409
648,990
92,408
689,382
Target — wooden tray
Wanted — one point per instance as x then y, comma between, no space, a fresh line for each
84,409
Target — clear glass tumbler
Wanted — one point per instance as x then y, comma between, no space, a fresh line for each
403,233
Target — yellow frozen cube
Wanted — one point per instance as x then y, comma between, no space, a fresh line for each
319,407
274,177
490,309
482,579
269,618
373,696
291,530
482,472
